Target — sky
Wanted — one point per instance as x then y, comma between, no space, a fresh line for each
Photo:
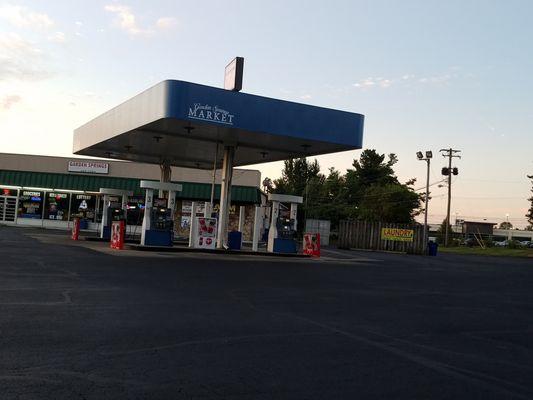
427,75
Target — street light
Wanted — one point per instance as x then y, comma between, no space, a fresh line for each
508,227
427,159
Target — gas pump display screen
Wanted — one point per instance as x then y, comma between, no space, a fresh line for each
285,228
159,202
162,218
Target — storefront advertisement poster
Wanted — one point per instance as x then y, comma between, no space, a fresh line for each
206,233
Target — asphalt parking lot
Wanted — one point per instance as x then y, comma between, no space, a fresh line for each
79,321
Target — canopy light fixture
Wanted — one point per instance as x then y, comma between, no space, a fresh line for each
189,128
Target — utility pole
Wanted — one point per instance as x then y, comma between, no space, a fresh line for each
450,153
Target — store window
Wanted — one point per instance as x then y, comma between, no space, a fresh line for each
57,205
30,204
83,206
8,192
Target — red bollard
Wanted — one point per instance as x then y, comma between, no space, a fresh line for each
117,235
312,244
76,229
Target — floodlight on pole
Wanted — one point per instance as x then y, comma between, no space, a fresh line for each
427,159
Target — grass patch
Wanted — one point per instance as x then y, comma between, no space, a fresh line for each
488,251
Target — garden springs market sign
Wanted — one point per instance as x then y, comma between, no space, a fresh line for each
207,112
88,167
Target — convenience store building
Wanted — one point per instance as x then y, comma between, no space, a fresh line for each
50,192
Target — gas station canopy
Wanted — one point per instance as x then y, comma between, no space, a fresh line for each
180,123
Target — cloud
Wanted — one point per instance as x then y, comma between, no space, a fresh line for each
126,20
57,37
8,101
23,17
20,59
437,79
306,97
374,82
410,79
165,23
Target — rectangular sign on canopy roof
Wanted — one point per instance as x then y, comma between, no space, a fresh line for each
181,123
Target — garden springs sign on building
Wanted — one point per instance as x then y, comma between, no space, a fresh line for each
88,167
207,112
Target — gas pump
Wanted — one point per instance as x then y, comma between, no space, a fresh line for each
113,210
158,221
162,216
282,232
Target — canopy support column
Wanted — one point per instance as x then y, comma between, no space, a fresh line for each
193,227
258,221
147,220
166,175
105,215
225,195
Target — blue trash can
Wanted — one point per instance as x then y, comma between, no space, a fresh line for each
234,240
84,224
432,248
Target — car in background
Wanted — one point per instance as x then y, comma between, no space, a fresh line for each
503,243
469,242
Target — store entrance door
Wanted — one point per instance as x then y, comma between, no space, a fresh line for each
8,208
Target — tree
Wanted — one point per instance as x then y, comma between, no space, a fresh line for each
370,191
330,203
505,225
267,185
296,175
374,193
370,169
300,177
529,214
391,202
441,232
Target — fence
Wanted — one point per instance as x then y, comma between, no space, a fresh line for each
319,226
382,236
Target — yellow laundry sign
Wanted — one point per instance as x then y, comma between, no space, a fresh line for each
400,235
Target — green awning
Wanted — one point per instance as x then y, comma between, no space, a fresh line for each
93,183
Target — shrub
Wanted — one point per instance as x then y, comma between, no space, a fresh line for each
514,244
